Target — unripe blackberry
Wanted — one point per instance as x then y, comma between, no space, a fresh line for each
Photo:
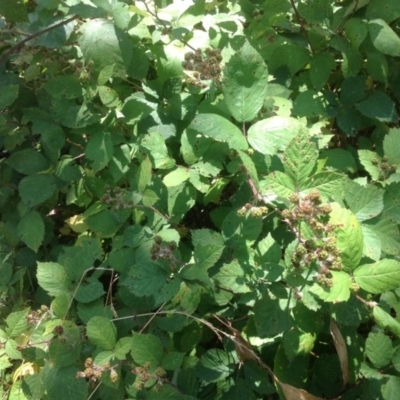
294,198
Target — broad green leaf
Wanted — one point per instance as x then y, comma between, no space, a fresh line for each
193,146
100,150
370,161
31,229
218,128
180,200
144,174
349,236
316,11
297,342
391,146
356,31
396,358
289,55
352,59
329,184
78,116
270,135
239,229
208,247
340,290
89,292
102,43
321,66
155,144
386,321
14,11
136,108
391,202
379,106
62,384
64,87
17,323
105,223
379,349
102,332
28,162
36,189
9,93
340,159
109,97
176,177
300,158
279,184
372,243
52,278
377,67
308,104
244,83
391,388
65,349
365,202
388,10
388,234
378,277
232,277
384,38
172,360
146,348
214,365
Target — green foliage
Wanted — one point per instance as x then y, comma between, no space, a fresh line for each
188,186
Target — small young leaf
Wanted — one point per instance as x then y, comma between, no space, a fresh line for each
102,332
379,277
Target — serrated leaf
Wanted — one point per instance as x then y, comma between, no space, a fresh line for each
388,10
208,247
9,94
36,189
392,203
146,348
379,349
232,277
321,66
388,234
176,177
31,229
64,87
245,83
378,277
89,292
52,278
218,128
28,162
279,184
339,291
365,202
17,323
108,96
144,174
385,320
372,243
356,31
349,236
384,37
214,365
136,108
273,134
379,106
300,158
250,167
391,146
158,152
100,150
369,160
102,332
329,184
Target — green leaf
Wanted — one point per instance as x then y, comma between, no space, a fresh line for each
28,162
379,106
232,277
89,292
388,234
270,135
105,223
208,247
250,167
384,37
316,11
391,388
339,291
365,202
391,202
321,66
300,158
386,321
388,10
52,278
218,128
144,174
378,277
31,230
372,243
158,152
172,361
340,159
109,97
278,184
100,150
308,104
102,332
36,189
176,177
17,323
390,146
136,108
244,84
64,87
214,365
146,349
356,31
289,55
14,10
379,349
369,160
349,236
62,384
297,342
